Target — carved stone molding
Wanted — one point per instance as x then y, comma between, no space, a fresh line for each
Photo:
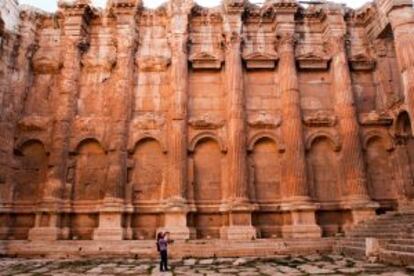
331,135
313,60
382,135
266,135
204,60
375,119
234,6
206,121
34,123
362,62
321,118
153,63
100,59
148,121
264,120
137,137
260,60
206,135
46,61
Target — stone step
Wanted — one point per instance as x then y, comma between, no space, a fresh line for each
179,249
397,257
376,235
389,226
400,247
402,241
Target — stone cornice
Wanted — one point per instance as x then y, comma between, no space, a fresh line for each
386,6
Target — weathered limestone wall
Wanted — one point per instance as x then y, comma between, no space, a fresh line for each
234,122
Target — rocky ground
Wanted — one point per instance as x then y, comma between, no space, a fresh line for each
278,265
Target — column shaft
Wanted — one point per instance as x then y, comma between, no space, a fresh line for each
294,169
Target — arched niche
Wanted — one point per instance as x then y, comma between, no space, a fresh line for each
207,161
33,163
381,185
332,139
405,152
403,125
207,136
91,169
147,174
323,170
265,169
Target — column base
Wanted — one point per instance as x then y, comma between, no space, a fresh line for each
301,231
302,212
109,228
175,220
44,234
108,234
236,232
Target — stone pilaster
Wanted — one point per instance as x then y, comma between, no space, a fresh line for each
354,191
74,41
110,216
19,34
175,204
400,14
403,173
239,207
294,189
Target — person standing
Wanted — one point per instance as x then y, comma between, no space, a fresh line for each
162,244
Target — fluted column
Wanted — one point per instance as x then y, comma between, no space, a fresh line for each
294,189
238,205
354,184
294,168
74,41
110,217
401,16
14,85
236,120
175,203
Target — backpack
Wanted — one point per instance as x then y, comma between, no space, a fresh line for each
158,247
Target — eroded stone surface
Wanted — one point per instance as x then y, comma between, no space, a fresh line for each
312,265
234,122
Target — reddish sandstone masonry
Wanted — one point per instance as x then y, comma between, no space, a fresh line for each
234,122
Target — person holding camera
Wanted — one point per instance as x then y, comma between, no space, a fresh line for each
162,245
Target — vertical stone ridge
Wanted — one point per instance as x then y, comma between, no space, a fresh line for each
294,171
353,163
178,39
175,203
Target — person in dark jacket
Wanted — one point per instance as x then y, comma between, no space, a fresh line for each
162,244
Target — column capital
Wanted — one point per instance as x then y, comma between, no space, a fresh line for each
180,7
335,44
232,39
286,42
234,7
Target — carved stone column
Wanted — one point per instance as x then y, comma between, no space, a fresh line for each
400,13
295,192
175,203
355,194
239,206
14,85
111,211
74,41
404,175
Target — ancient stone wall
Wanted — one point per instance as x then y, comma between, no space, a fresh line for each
235,122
